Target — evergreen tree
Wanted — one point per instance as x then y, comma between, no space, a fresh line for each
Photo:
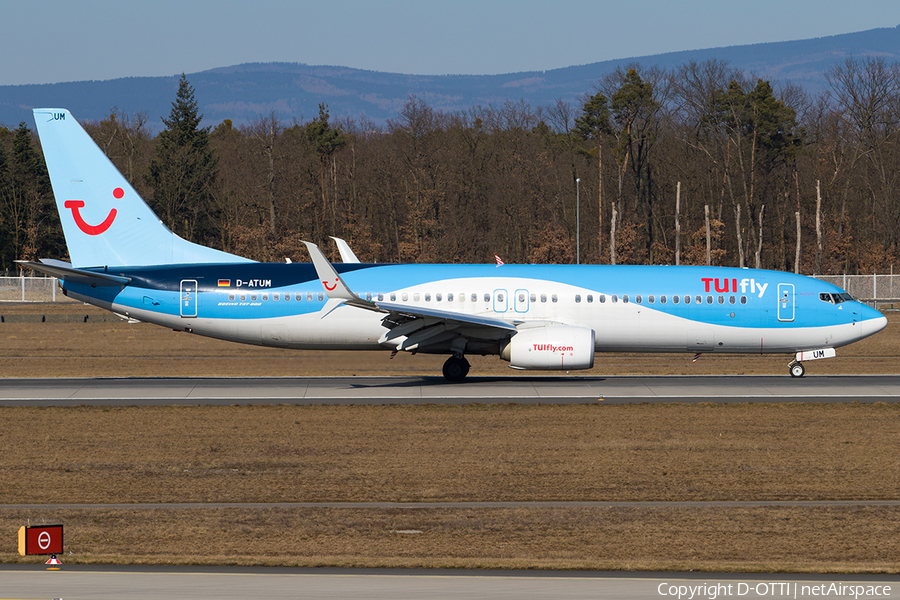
184,170
327,141
592,125
30,224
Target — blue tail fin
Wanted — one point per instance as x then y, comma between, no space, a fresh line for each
105,221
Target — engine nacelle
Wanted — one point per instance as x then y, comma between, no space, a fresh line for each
552,348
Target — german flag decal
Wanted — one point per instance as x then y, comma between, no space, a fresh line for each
224,283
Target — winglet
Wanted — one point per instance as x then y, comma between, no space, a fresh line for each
347,254
332,282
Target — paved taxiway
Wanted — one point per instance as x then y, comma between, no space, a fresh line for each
201,583
434,390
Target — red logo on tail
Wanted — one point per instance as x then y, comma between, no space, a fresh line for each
75,205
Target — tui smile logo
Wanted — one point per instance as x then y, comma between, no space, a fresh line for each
83,225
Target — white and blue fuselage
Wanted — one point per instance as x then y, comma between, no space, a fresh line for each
630,308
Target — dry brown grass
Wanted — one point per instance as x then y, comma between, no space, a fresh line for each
443,453
450,453
847,539
464,453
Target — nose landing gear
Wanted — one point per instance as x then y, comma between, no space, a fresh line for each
796,369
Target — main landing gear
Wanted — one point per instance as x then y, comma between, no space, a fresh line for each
456,368
796,369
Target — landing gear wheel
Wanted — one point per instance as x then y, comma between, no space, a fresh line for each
456,368
797,369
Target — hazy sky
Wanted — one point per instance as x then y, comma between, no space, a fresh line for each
48,41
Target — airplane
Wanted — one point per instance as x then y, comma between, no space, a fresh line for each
542,317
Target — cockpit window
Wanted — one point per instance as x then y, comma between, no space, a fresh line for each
835,298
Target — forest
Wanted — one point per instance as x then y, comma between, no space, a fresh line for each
703,164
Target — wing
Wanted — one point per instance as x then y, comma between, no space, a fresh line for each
412,327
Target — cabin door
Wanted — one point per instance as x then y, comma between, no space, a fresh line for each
785,301
188,298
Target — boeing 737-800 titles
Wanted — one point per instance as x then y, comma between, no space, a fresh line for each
551,317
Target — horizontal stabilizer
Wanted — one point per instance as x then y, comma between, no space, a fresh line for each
64,270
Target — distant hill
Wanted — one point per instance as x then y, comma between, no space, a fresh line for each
245,92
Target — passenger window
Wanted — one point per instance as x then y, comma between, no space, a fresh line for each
625,298
487,297
698,299
731,299
415,297
522,298
709,299
639,299
543,297
578,298
309,297
381,297
474,297
743,299
675,299
614,298
651,298
276,297
369,296
253,297
721,299
321,296
687,299
500,298
404,297
449,297
662,299
533,298
437,297
243,297
231,297
590,298
298,297
601,298
427,297
265,297
553,298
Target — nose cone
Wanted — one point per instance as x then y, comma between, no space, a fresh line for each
872,321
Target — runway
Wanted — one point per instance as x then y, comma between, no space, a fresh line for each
225,583
434,390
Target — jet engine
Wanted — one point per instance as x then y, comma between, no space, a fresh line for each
552,348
